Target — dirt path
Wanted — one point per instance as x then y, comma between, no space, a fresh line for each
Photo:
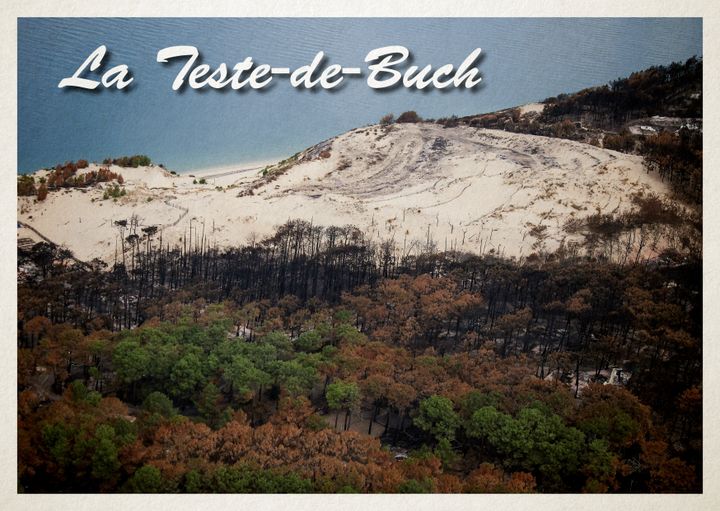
228,173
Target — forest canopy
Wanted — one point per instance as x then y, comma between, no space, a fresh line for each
333,367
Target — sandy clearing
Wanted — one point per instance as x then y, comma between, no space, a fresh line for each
531,107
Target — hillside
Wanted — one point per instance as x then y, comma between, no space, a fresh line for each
464,188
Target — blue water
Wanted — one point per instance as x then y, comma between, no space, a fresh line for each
524,60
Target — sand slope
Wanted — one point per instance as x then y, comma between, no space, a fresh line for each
466,188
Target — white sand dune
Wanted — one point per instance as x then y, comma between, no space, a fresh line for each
465,188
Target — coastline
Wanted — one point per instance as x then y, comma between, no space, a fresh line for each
232,168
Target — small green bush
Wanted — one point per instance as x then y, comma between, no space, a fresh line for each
387,119
114,192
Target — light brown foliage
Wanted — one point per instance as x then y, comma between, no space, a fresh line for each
488,478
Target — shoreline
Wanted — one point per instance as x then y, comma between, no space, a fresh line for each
231,168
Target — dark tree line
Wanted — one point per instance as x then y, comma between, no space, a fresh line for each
300,259
673,90
571,312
